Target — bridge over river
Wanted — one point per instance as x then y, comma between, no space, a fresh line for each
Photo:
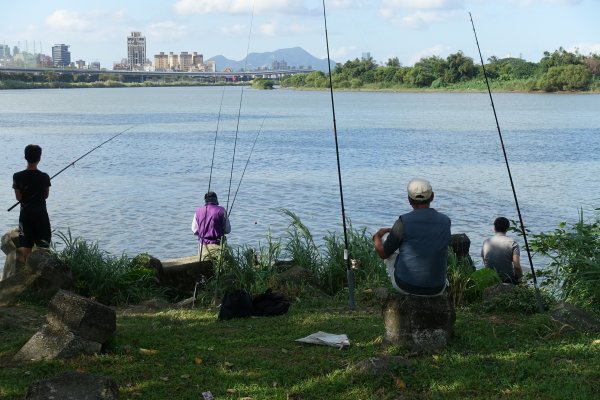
142,76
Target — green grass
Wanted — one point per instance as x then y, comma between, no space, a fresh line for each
501,350
492,356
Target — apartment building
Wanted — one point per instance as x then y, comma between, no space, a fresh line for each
136,51
61,56
182,62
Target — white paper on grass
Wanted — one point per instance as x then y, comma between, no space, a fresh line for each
327,339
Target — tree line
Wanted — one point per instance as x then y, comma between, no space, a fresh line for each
556,71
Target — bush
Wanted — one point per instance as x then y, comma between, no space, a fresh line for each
459,277
521,300
107,279
260,83
481,279
574,273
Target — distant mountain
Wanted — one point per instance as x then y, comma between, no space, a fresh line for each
295,57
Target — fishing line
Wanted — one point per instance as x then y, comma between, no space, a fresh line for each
237,128
232,158
349,272
512,185
72,164
246,166
212,163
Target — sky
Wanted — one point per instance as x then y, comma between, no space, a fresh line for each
407,29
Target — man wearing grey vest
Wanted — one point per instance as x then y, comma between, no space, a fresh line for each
420,238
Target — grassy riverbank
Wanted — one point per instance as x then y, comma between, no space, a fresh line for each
502,349
520,86
515,86
179,354
13,84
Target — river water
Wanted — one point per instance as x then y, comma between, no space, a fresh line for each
138,192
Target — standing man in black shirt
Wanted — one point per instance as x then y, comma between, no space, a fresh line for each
32,188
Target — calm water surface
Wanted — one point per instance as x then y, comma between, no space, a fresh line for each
138,192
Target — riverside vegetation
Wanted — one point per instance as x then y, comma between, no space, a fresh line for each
556,71
502,349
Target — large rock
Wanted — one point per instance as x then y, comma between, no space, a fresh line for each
183,273
8,244
419,323
570,316
74,325
41,277
490,293
84,317
74,386
49,344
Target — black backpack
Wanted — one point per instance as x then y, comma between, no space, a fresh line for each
235,304
269,303
238,304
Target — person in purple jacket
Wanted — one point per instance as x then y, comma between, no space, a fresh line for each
210,224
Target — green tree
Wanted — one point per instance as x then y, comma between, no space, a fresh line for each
296,80
264,84
386,74
459,68
363,69
316,79
393,62
566,78
558,58
425,71
593,63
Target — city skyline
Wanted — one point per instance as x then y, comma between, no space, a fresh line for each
407,29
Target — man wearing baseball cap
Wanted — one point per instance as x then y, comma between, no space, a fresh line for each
421,239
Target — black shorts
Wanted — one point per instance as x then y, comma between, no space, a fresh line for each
35,229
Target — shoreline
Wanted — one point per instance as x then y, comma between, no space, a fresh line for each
41,86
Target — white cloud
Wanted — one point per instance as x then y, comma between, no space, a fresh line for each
234,30
437,50
347,4
166,30
585,48
423,4
419,14
421,19
564,2
528,3
341,53
68,21
187,7
269,29
272,28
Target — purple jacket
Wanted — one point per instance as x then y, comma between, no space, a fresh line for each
210,224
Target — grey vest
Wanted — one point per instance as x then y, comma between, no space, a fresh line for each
423,254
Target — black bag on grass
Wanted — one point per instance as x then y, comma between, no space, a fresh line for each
235,304
269,303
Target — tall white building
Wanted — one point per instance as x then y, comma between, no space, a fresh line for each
61,56
136,51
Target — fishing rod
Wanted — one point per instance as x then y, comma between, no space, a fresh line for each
246,166
512,185
349,272
237,128
212,163
72,164
232,159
